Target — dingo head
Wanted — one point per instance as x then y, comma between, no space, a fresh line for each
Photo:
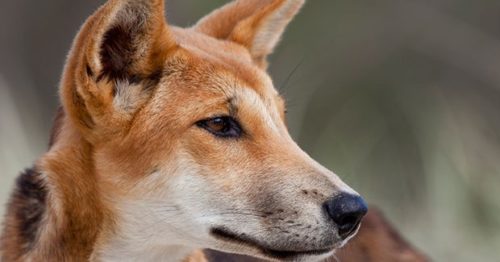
189,139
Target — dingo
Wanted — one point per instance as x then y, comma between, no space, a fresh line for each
170,140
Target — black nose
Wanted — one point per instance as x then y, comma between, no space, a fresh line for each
346,210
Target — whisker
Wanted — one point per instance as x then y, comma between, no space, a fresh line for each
235,213
287,79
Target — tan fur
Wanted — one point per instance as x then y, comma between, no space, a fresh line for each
131,175
197,256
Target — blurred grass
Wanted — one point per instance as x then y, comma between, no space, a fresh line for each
400,98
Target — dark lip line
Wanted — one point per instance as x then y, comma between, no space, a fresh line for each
226,235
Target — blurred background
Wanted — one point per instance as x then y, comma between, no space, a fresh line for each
400,98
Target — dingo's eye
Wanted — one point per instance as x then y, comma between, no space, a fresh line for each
225,126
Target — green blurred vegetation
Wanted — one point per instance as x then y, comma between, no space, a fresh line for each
400,98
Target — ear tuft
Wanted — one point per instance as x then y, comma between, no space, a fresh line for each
116,53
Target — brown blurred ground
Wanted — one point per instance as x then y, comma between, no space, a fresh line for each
400,98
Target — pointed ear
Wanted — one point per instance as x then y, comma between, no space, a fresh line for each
117,56
255,24
127,38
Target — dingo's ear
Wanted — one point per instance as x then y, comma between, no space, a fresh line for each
115,61
255,24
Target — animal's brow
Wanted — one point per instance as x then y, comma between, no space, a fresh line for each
232,106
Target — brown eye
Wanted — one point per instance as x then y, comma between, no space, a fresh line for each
225,127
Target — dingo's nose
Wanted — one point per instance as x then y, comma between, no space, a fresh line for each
346,210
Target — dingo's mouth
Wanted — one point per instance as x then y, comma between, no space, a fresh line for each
228,236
